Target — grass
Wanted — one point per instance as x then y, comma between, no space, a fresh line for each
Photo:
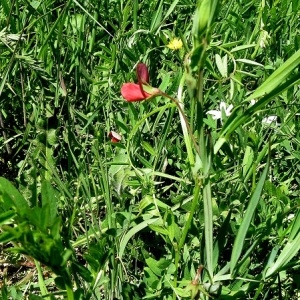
185,205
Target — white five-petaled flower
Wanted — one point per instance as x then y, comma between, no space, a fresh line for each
217,114
269,120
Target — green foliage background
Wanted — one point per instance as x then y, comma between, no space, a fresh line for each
102,220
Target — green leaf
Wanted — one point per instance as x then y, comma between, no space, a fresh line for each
295,227
148,148
247,160
49,203
6,216
7,236
277,77
240,238
82,271
170,10
132,232
159,228
11,198
173,230
153,265
150,278
157,17
222,65
249,62
288,252
239,117
35,297
60,282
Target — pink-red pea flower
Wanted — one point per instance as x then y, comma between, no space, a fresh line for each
132,92
114,137
142,73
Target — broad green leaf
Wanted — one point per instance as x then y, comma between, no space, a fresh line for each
159,228
173,230
49,203
151,279
153,265
82,271
11,198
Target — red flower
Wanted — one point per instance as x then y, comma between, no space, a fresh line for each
114,137
135,91
142,73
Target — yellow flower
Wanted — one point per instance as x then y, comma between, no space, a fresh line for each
175,44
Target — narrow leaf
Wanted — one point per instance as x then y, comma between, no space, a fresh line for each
277,77
240,238
288,252
132,232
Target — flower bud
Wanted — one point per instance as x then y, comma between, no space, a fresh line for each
142,73
202,17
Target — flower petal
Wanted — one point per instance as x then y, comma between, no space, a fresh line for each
222,105
216,114
228,110
114,137
269,120
132,92
142,73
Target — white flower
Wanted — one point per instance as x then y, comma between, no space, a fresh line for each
217,114
269,120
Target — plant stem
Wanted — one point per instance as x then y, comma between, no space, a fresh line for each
205,157
186,229
179,106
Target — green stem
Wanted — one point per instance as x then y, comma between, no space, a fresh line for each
179,106
186,129
185,230
188,223
205,157
208,225
135,13
70,294
42,285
